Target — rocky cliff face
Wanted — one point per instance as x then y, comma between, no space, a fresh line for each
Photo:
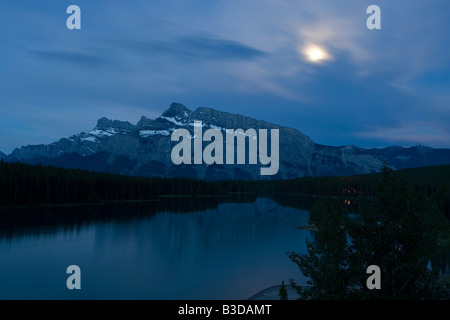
145,149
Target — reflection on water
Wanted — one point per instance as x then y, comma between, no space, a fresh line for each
50,219
171,249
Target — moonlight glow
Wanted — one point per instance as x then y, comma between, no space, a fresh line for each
316,54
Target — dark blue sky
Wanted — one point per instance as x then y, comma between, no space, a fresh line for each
371,88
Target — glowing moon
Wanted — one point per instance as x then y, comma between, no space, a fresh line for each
316,54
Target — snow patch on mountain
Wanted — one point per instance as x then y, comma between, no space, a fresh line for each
147,133
104,133
216,127
174,120
90,139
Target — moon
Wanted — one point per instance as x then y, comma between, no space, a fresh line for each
316,54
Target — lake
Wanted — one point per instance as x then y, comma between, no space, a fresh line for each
178,249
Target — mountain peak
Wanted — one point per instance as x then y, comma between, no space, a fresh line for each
177,110
105,123
421,147
144,122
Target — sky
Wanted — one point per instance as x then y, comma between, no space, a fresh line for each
309,65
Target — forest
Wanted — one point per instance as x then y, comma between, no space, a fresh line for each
37,185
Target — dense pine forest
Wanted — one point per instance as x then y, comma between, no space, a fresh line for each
22,184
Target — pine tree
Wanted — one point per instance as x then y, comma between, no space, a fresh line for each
396,230
283,294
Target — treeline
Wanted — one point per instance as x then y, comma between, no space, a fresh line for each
322,186
22,184
433,183
430,180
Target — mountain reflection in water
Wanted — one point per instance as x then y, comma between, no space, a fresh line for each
178,248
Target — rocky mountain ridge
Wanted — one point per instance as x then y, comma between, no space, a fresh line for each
144,149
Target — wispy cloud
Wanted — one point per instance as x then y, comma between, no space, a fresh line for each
79,59
190,48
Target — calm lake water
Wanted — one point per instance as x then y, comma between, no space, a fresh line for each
170,249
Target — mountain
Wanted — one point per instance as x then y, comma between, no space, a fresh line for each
2,155
413,157
145,149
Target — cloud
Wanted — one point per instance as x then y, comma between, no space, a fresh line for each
79,59
190,48
218,49
408,133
